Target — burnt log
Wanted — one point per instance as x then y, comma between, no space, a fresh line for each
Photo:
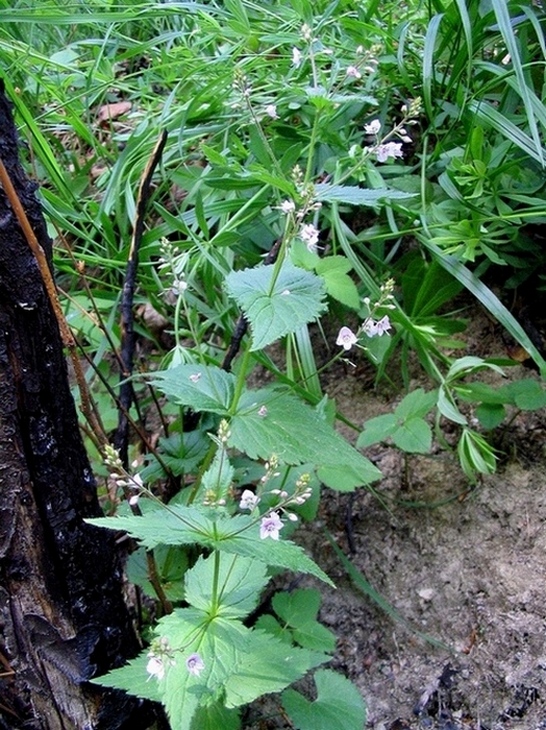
63,618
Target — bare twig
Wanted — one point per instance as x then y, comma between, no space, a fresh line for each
126,392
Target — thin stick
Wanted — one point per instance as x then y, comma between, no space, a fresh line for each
126,391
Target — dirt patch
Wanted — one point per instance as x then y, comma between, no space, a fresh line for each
466,566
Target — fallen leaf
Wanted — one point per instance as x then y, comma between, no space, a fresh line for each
113,111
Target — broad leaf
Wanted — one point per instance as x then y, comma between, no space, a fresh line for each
202,387
377,429
176,525
276,307
269,665
270,421
338,705
133,678
299,610
413,436
240,582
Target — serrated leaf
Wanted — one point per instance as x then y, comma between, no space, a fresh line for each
354,195
202,387
527,394
338,705
220,643
214,717
413,436
240,582
417,403
270,421
341,287
277,307
272,626
269,665
299,610
377,429
278,553
177,525
133,678
218,477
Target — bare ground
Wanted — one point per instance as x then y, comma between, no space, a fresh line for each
466,566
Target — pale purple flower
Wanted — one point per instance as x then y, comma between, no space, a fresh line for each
310,236
346,338
287,206
383,326
353,72
194,664
271,111
296,57
270,526
373,328
155,667
370,327
389,149
248,500
373,127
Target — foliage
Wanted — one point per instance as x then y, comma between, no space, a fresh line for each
325,162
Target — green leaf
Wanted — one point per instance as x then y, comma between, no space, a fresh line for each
220,643
269,665
270,421
276,307
240,582
490,415
278,553
413,436
175,525
377,429
202,387
355,195
527,394
416,404
133,678
339,284
448,409
215,716
299,610
338,705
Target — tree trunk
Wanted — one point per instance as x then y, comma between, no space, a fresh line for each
62,614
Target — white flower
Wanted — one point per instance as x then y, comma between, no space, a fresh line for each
195,377
384,325
271,111
389,149
248,500
310,236
155,667
306,32
287,206
195,665
353,72
270,526
373,127
296,57
262,411
346,338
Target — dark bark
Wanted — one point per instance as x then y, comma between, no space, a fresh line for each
62,614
